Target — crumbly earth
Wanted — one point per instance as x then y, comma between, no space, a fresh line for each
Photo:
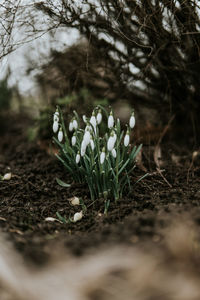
33,194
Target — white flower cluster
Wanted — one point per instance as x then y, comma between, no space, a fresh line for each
105,161
90,133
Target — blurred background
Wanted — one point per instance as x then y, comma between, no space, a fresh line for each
139,54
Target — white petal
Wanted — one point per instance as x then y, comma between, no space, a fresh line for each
55,127
93,121
60,135
110,121
86,137
78,216
78,157
132,122
73,140
83,148
126,140
7,176
56,117
110,143
75,124
84,119
92,144
99,118
102,157
114,153
71,127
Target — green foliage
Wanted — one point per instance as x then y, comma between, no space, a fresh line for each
105,162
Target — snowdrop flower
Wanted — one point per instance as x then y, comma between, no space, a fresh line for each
56,116
102,156
60,135
127,139
78,157
111,142
84,119
7,176
132,120
78,216
110,120
87,137
114,153
75,124
71,127
83,147
55,126
93,120
99,117
73,139
92,144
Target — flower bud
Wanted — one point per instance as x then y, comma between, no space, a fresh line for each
7,176
93,120
78,216
127,139
102,156
110,120
84,119
73,140
114,153
78,157
71,127
132,121
99,117
83,147
56,116
111,143
87,137
55,127
60,135
75,124
92,144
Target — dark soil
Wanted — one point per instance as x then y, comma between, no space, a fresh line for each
32,195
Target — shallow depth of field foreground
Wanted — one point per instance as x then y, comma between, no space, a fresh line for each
99,150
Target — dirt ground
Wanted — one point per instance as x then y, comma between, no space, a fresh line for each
138,221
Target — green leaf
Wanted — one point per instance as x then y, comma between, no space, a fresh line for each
62,183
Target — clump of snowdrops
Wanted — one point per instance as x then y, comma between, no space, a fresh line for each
104,162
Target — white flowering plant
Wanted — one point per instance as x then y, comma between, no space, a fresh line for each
103,161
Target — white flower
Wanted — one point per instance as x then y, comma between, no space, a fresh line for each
60,135
74,200
111,142
55,127
92,144
93,120
114,153
73,140
132,121
83,147
78,157
56,116
99,117
110,120
88,127
102,156
127,139
87,137
78,216
75,124
7,176
71,127
84,119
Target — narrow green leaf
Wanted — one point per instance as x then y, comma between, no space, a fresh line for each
62,183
